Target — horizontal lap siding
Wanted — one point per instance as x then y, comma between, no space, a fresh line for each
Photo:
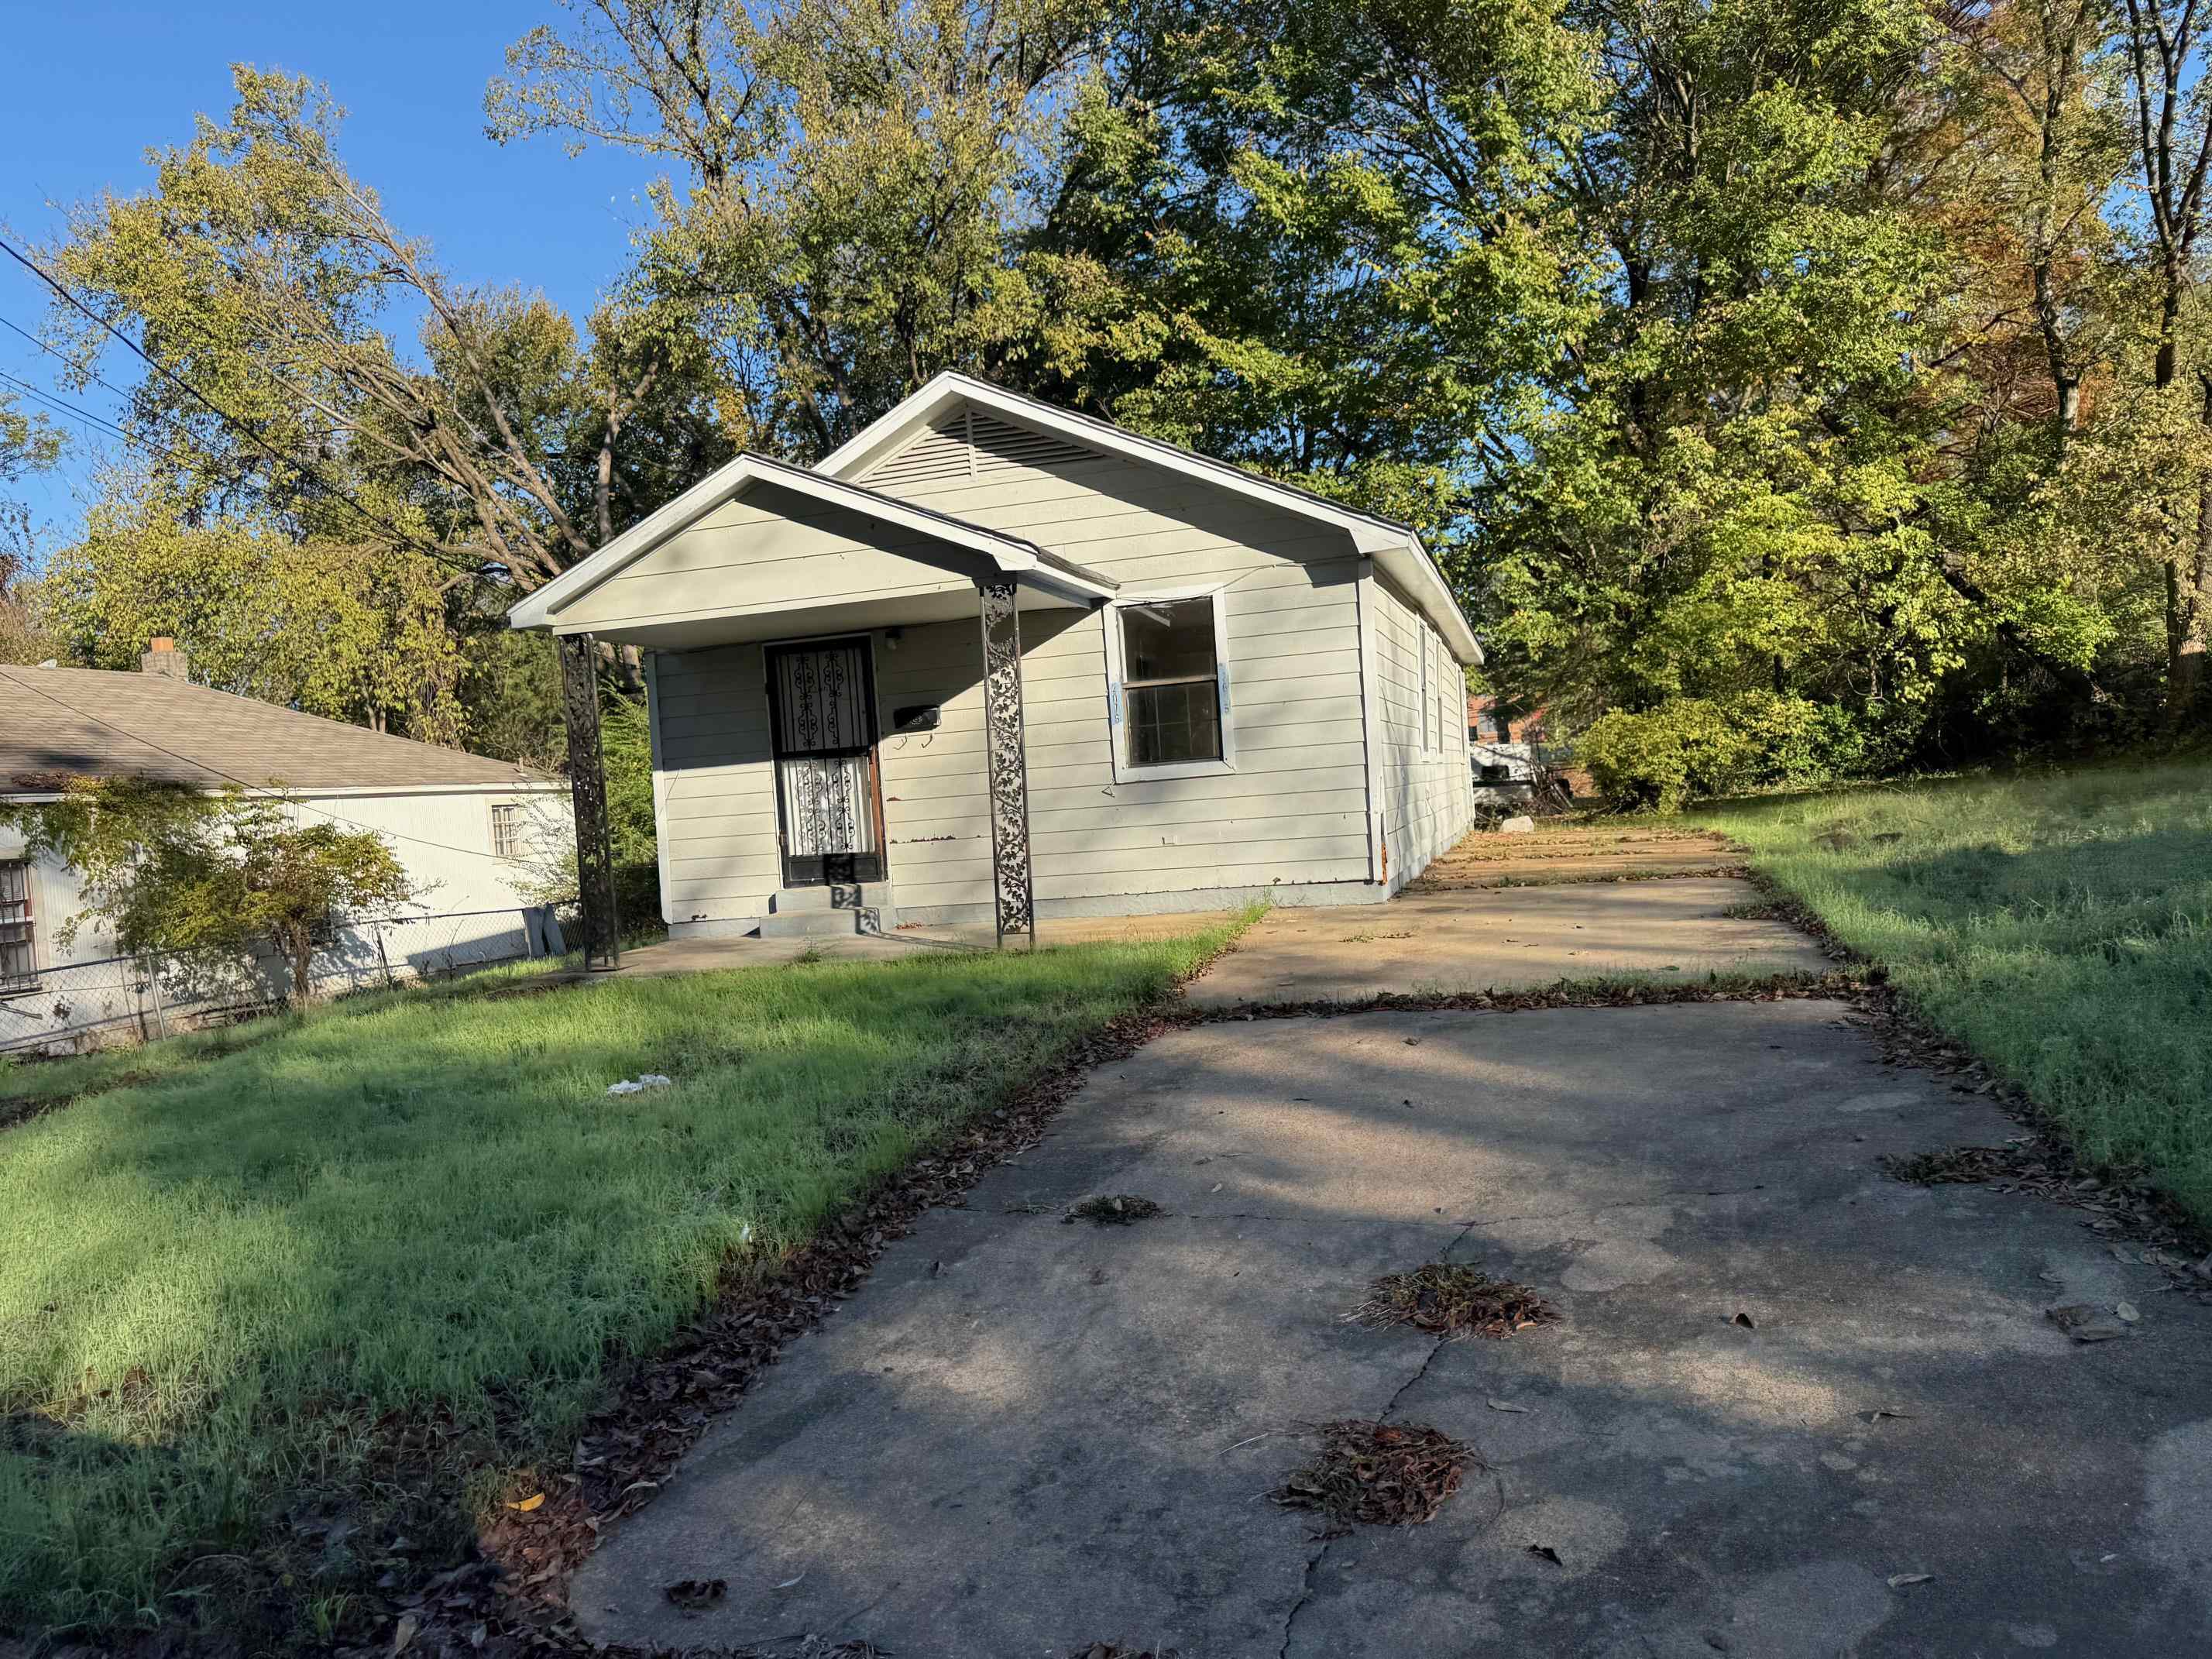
1294,811
773,548
715,784
1427,797
937,810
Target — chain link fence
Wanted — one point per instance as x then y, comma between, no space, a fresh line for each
120,1000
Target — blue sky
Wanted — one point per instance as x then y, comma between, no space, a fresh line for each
93,85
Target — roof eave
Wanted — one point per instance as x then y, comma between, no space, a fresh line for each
1012,555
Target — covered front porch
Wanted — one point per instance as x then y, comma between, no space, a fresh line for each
835,684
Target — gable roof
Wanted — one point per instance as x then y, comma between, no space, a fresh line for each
1013,556
1396,548
94,722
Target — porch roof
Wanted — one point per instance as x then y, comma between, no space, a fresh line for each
1036,568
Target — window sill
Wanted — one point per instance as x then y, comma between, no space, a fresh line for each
1220,769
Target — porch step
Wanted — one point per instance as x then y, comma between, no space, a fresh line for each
825,912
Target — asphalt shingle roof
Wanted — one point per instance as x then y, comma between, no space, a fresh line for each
92,722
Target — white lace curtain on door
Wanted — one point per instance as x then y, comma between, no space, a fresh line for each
823,735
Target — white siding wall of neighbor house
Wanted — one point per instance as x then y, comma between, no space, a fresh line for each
1428,799
1290,821
442,836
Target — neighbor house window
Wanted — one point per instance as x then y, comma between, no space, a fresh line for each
1170,681
507,832
19,966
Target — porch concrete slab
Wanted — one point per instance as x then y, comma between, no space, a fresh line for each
1504,938
1023,1436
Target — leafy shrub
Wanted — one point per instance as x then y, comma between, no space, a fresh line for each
1693,747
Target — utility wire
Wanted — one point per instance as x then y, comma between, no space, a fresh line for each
24,677
229,420
62,406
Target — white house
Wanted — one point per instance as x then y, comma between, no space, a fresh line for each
992,659
468,830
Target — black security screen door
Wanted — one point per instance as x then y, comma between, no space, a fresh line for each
822,708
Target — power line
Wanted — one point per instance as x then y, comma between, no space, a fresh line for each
229,420
60,406
20,678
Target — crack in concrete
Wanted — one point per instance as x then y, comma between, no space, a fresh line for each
1314,1561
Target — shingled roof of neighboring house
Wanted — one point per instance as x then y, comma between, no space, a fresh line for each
92,722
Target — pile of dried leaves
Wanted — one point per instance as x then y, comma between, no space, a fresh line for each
1380,1474
1452,1301
1120,1210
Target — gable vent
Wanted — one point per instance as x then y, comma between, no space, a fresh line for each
968,444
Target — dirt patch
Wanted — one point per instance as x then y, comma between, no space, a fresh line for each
1554,856
1449,1300
1114,1209
1601,992
1377,1474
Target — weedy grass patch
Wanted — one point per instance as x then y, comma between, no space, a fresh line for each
1377,1474
222,1288
1449,1299
2059,925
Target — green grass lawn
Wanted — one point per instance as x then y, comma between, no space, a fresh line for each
212,1281
2062,926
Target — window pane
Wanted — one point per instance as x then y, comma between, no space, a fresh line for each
1169,724
1170,641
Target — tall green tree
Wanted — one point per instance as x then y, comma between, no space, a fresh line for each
849,191
28,444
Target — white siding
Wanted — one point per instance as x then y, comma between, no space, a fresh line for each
442,835
773,547
715,784
1428,796
1292,814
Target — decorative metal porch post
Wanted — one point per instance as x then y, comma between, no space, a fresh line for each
1014,902
588,788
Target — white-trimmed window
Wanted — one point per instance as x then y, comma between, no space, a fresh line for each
19,944
507,830
1166,672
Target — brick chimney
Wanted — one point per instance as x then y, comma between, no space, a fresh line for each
162,657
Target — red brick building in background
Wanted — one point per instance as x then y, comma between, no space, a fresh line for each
1492,719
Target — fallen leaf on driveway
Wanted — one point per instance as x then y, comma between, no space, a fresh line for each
2128,1312
1745,1320
1545,1553
1899,1580
1506,1406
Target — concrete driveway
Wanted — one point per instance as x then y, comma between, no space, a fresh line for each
1023,1436
1481,939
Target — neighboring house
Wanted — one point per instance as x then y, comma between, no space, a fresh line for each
1206,687
467,828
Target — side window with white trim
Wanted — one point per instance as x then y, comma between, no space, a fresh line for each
1168,675
507,830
